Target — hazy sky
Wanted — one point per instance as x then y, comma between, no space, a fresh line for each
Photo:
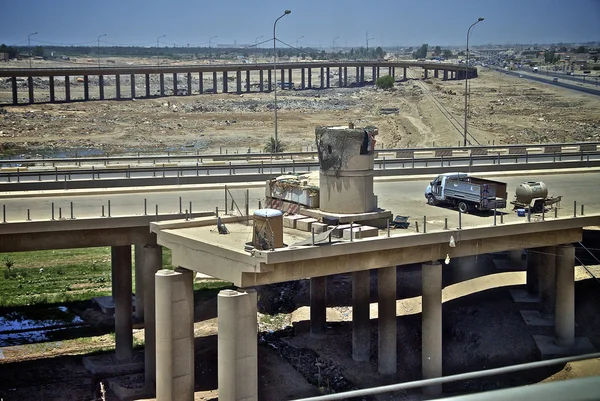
318,22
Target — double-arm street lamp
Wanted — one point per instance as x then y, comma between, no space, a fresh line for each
275,146
157,55
104,34
333,46
467,79
29,46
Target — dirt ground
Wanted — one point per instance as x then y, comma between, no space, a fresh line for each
482,326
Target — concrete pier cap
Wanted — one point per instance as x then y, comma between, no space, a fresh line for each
346,159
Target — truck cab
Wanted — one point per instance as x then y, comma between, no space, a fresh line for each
435,191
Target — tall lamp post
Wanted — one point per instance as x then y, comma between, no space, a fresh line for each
299,37
210,39
333,46
467,79
99,48
29,46
368,38
157,55
276,145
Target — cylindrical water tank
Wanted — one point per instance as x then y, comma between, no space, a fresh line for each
531,190
268,229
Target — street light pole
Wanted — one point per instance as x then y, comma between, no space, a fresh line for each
333,47
467,79
157,55
299,37
99,48
210,39
276,145
29,46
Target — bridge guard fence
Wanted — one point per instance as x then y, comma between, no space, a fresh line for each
237,203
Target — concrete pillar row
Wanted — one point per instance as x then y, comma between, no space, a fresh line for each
431,336
100,87
345,77
547,280
237,345
302,83
118,86
138,253
189,83
260,78
86,87
318,306
358,75
67,89
201,83
361,338
174,335
290,76
225,82
151,262
269,81
340,76
147,85
248,81
132,84
238,78
425,71
404,77
175,88
215,82
322,78
565,296
52,93
15,93
30,86
436,73
309,73
328,72
386,303
282,77
121,293
445,75
161,78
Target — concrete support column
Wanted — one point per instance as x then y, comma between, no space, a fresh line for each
132,82
101,86
565,295
86,87
340,76
309,78
118,86
151,263
147,85
425,71
121,292
175,89
189,83
201,82
290,78
373,74
302,78
15,93
346,77
404,77
269,81
386,301
532,277
378,71
248,81
238,79
30,86
282,77
174,335
393,73
52,94
260,78
390,71
138,315
445,75
322,77
357,75
215,82
237,345
161,78
225,82
547,277
67,89
361,344
318,306
431,337
436,73
328,77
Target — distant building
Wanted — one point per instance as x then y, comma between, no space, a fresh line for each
3,56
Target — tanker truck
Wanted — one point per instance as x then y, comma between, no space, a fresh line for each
466,192
533,195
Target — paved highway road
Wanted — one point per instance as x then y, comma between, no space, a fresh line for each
402,197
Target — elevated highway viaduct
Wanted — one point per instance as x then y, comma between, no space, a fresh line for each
166,295
214,78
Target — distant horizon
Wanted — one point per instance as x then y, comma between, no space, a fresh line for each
311,23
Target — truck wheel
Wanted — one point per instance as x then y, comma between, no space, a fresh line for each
538,207
463,207
431,200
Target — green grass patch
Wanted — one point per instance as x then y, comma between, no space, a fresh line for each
58,276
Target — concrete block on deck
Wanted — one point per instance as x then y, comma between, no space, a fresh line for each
290,221
305,224
359,232
319,227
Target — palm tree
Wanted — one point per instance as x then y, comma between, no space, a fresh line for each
270,146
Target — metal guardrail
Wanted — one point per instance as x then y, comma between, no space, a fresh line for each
589,391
